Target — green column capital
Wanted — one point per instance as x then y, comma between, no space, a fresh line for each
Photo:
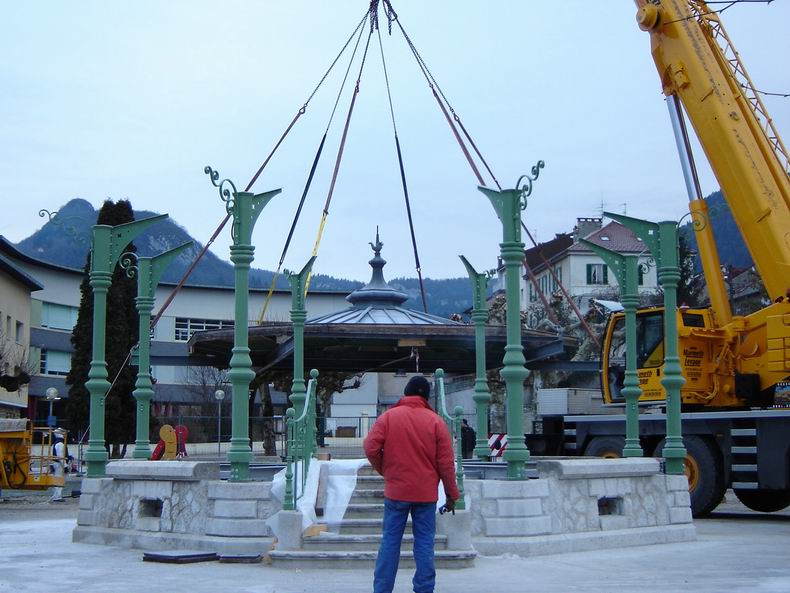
298,282
509,204
482,395
149,273
244,208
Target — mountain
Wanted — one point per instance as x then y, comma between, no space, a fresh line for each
67,244
731,246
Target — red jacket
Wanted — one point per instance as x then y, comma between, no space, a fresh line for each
411,447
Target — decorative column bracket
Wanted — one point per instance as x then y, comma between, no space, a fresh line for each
662,240
482,396
298,282
626,271
149,273
509,204
245,208
107,246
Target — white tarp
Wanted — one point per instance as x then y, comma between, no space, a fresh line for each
341,482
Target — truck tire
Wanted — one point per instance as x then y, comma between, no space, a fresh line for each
764,501
609,447
703,470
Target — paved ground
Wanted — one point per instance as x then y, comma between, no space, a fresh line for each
737,551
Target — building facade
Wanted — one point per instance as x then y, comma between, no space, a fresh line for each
565,260
16,363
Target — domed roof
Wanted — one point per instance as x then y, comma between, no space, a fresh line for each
379,303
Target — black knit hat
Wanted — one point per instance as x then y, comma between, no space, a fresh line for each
418,385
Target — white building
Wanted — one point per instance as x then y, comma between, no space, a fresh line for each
53,313
584,275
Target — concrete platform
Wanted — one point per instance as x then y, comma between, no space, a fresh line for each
736,551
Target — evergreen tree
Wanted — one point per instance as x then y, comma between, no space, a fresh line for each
121,336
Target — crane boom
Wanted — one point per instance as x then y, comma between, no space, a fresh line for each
698,63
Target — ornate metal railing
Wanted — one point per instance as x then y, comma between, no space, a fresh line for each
301,445
454,424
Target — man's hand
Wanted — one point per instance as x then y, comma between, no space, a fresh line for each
448,507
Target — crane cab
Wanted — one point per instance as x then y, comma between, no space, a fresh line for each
706,359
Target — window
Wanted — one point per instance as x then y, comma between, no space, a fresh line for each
42,362
533,296
640,275
8,326
20,332
58,316
597,274
54,362
185,326
556,279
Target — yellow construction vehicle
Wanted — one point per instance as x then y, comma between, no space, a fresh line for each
26,456
734,433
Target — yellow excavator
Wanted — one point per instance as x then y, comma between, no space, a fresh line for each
734,432
26,456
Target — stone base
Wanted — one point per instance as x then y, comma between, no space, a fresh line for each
563,543
580,504
176,505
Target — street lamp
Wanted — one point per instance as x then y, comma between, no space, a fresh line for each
219,395
52,397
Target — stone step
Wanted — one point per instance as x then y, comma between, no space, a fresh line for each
365,526
364,542
365,510
367,470
370,483
369,496
363,559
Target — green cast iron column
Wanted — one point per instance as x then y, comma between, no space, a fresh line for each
668,278
662,240
245,208
149,272
626,270
107,245
298,281
482,396
508,205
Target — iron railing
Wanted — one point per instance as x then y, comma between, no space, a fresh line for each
301,445
454,425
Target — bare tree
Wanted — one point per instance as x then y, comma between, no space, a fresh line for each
15,364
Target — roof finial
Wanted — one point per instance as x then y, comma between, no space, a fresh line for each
377,247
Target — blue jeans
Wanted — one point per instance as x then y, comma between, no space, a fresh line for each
423,525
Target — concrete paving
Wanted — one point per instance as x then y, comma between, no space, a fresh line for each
737,550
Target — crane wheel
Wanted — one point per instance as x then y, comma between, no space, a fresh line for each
703,470
609,447
764,501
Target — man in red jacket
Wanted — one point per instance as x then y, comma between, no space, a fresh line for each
411,447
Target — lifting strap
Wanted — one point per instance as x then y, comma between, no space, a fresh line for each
312,173
434,86
338,159
193,265
403,179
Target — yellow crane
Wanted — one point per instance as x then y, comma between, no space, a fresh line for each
734,433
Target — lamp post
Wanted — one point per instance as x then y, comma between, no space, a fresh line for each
219,395
107,246
245,208
662,240
149,271
482,396
52,397
508,205
626,270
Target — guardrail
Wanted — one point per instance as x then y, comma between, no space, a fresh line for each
454,424
301,445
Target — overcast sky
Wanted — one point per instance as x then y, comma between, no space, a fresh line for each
131,100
